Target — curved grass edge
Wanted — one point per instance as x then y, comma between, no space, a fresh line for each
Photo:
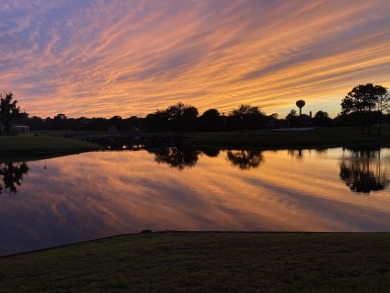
27,148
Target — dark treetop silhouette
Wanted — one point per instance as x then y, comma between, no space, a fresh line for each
248,116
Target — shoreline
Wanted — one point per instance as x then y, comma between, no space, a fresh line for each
34,147
148,232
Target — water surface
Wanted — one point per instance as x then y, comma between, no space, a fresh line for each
81,197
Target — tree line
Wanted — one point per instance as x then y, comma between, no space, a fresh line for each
364,105
181,118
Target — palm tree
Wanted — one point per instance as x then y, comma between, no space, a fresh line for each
300,104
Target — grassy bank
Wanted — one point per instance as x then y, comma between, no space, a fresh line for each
34,147
314,138
204,262
55,144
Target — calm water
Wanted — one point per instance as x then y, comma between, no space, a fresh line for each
75,198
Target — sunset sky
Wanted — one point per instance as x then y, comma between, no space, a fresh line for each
104,58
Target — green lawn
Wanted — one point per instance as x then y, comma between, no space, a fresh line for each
30,147
207,262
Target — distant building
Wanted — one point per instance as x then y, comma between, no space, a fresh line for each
15,129
20,129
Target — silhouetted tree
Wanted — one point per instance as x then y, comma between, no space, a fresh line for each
182,116
156,121
188,119
9,111
35,123
292,118
247,115
245,159
116,121
300,104
363,99
321,118
98,124
382,105
134,122
176,117
59,122
210,120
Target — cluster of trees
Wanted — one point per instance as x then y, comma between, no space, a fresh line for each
365,105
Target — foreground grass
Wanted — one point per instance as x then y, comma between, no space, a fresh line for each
205,262
315,138
31,147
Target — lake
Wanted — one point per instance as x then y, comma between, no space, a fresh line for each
81,197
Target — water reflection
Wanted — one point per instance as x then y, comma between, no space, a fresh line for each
101,194
245,159
178,157
295,153
210,152
364,170
299,153
184,157
11,175
181,157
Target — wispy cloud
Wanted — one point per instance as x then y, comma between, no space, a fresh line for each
102,58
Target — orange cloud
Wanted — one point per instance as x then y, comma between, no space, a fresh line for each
131,57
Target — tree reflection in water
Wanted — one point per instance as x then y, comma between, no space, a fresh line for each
245,159
295,153
210,152
364,172
176,157
11,175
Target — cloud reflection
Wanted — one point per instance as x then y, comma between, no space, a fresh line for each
92,195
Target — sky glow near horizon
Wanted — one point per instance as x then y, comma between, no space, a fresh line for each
104,58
